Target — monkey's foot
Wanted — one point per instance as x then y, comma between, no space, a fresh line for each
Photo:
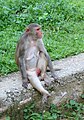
25,85
55,78
57,81
45,98
47,81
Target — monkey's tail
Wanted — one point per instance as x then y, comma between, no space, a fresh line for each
34,80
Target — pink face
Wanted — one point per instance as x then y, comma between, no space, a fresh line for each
38,32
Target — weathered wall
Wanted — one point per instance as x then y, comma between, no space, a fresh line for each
71,77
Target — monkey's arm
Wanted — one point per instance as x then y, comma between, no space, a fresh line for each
21,64
42,48
22,67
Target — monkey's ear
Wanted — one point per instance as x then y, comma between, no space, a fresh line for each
27,30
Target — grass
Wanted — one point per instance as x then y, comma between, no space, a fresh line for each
62,44
62,23
71,110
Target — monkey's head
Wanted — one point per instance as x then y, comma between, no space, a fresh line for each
34,30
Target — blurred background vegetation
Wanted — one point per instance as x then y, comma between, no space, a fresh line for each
62,23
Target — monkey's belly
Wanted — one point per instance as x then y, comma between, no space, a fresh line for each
31,63
32,56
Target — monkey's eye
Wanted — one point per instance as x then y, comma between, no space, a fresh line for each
38,29
27,30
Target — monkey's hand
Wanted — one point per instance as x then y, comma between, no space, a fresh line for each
25,85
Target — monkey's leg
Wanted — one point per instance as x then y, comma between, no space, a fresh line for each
34,80
42,64
23,72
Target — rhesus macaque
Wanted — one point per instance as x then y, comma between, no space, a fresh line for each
32,57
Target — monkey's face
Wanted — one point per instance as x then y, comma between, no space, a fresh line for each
38,32
34,31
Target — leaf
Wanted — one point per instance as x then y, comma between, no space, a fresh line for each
54,116
7,118
82,96
26,117
74,113
25,110
72,102
35,116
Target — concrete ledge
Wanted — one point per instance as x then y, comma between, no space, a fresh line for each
71,77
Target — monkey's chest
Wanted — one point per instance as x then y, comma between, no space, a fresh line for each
32,56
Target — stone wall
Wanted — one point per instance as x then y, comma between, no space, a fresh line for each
70,73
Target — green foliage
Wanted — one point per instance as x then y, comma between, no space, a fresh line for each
71,110
50,13
62,22
30,114
75,110
82,96
7,118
